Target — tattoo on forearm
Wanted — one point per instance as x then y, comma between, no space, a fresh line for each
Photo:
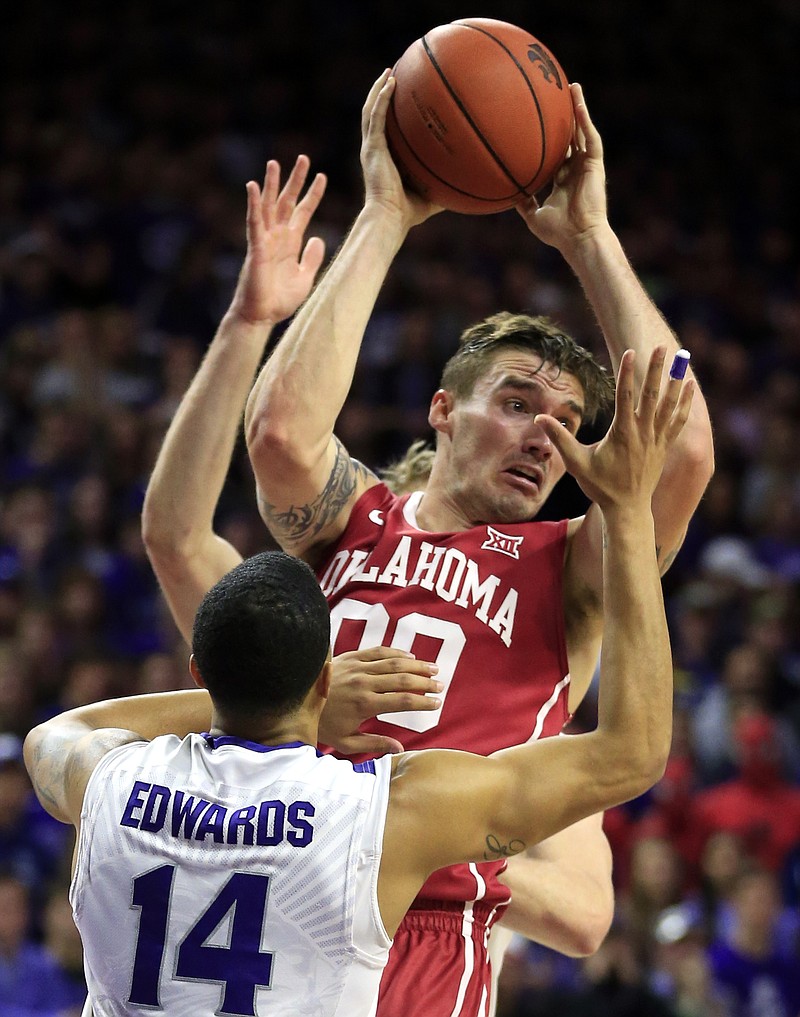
62,757
298,523
495,850
43,772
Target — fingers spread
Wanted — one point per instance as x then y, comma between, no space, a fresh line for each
681,412
293,186
651,385
674,407
574,454
311,199
270,193
312,256
625,386
253,222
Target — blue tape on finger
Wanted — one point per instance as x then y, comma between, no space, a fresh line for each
680,364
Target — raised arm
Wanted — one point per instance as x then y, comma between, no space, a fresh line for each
574,220
307,483
449,806
188,557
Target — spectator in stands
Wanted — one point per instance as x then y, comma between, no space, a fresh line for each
760,804
753,977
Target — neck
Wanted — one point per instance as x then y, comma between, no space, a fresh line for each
439,511
268,730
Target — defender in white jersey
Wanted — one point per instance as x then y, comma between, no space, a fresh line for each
240,872
258,893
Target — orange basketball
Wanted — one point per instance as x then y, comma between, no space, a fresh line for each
481,115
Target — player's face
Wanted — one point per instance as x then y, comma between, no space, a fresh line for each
503,464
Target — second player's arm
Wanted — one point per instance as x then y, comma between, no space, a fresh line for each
307,482
187,556
547,879
574,220
453,806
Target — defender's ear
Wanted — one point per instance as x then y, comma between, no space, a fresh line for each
194,671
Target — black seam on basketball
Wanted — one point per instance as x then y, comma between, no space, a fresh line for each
467,194
519,188
531,89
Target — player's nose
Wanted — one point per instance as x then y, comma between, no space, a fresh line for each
537,442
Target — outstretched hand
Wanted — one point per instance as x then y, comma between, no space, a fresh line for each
365,683
382,180
278,271
576,205
624,467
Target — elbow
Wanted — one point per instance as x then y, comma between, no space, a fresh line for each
276,449
271,441
155,527
704,463
162,535
697,457
647,771
582,933
588,937
270,419
170,537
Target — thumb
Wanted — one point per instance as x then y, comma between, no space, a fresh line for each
570,449
313,256
370,744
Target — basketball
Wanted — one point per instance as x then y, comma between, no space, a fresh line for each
481,116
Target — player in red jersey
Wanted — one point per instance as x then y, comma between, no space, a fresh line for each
189,557
460,573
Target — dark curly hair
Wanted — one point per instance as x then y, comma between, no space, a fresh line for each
262,634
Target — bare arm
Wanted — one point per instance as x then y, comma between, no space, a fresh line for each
547,879
61,753
545,882
307,482
187,556
574,220
450,806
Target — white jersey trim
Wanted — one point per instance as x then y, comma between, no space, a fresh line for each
541,716
410,510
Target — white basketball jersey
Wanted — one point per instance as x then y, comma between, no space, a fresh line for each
218,876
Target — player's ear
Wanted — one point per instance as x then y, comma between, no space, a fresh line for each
194,671
440,411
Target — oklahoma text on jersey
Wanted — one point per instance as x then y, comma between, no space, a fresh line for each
445,571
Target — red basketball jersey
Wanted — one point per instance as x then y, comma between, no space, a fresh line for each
485,605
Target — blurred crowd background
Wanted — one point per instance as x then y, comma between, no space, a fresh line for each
126,138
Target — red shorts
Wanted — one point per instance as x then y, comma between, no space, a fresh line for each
438,964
